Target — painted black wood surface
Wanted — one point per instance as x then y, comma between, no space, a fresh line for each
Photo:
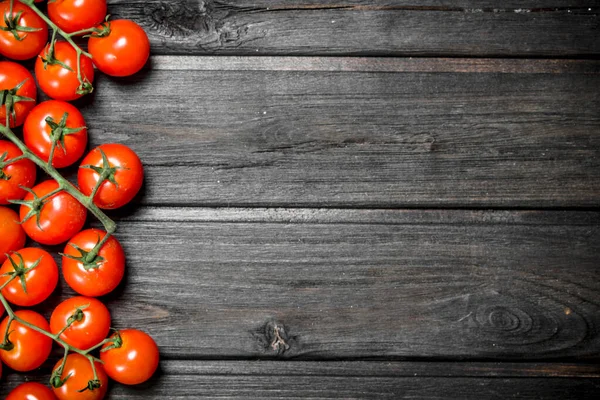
326,217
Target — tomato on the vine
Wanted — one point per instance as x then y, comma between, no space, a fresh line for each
66,128
14,176
57,81
13,236
91,321
29,348
132,358
31,391
76,15
29,27
35,276
18,84
124,173
76,375
123,52
99,275
54,219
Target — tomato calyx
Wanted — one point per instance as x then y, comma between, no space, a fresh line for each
5,162
116,342
12,26
92,385
58,133
102,31
9,97
35,205
20,270
56,381
89,259
106,172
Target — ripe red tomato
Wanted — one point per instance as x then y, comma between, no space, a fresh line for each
30,43
57,81
103,274
11,234
11,76
60,216
14,176
39,282
31,348
123,52
70,133
31,391
126,171
134,361
75,15
91,321
79,371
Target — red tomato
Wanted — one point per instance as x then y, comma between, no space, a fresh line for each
60,216
57,81
11,234
69,132
31,348
75,15
100,275
31,391
40,281
123,52
125,171
91,321
30,43
16,175
77,374
134,359
11,76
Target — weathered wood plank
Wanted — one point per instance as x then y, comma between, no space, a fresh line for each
326,27
200,379
368,284
307,137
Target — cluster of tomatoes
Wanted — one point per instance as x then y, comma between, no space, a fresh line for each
93,261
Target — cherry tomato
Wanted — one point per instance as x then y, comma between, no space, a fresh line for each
16,175
31,391
11,76
30,43
75,15
57,81
11,234
70,132
31,348
79,371
134,361
91,321
98,276
60,216
40,281
123,52
126,172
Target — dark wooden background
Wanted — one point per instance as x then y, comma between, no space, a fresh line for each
362,199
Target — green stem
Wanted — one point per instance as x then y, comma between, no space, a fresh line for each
109,225
102,343
81,32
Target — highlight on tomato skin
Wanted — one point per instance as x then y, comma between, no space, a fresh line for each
69,132
31,391
16,78
11,234
40,276
91,321
101,275
59,217
30,42
133,359
31,348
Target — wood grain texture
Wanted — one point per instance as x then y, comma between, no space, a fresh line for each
251,137
461,27
352,380
332,284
